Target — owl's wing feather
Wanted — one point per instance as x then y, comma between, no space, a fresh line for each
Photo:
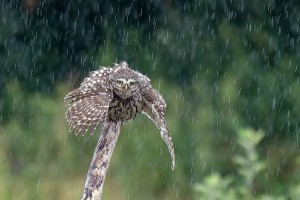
89,103
155,109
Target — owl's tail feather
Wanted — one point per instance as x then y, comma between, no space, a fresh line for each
100,162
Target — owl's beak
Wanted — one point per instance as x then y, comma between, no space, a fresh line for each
126,87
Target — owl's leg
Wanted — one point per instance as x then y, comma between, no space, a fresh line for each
100,162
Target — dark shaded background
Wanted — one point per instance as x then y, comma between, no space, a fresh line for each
221,65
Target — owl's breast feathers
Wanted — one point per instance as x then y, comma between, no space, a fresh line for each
125,109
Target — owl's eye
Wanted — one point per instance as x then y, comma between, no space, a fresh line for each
119,82
132,84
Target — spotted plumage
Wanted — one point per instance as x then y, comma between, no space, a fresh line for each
111,97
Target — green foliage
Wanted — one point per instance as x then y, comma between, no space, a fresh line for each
215,187
249,167
248,163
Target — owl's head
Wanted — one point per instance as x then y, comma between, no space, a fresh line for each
124,80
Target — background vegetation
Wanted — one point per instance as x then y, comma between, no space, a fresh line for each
229,71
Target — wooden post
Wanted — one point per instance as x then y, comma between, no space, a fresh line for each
100,162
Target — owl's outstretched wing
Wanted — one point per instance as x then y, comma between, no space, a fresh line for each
89,103
155,109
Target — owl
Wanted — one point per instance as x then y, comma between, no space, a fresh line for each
111,97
